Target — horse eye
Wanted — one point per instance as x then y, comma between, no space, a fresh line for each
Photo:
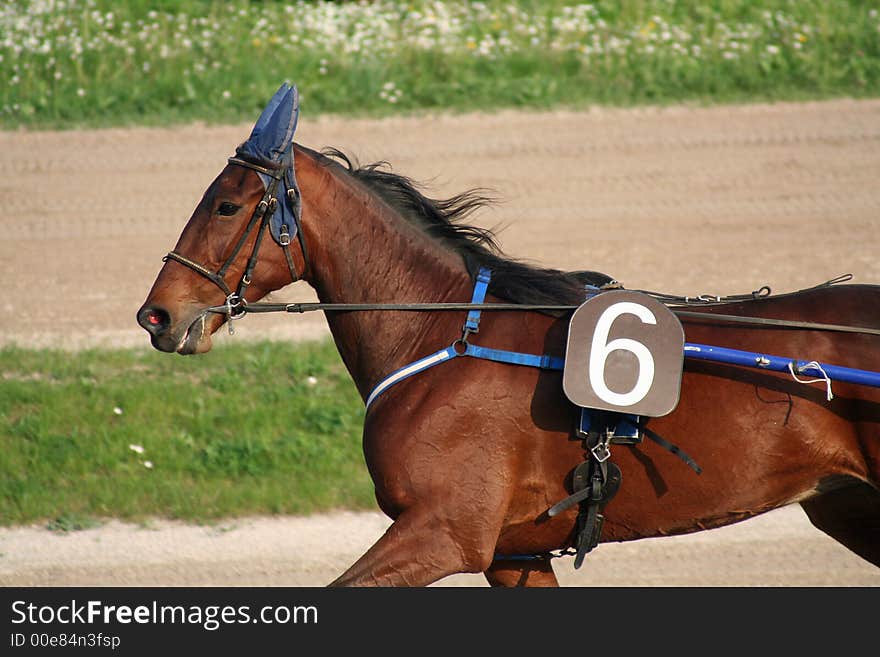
228,209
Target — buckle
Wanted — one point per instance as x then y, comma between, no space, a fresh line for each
601,451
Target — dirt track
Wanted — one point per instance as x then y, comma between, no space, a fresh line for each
689,201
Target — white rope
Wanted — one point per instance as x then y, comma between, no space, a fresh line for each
812,365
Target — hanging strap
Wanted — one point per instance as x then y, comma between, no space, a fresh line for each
472,323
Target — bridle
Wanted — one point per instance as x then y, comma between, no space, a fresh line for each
235,304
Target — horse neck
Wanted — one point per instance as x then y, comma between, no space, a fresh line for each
362,251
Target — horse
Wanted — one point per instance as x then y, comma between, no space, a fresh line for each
468,456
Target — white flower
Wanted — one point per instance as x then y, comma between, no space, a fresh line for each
80,92
227,95
311,380
117,410
773,50
136,448
148,465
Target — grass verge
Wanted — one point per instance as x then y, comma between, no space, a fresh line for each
262,428
137,62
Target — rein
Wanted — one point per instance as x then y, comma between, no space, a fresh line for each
245,308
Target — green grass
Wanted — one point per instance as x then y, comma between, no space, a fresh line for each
112,62
241,430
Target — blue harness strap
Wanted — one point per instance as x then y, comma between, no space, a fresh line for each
544,362
472,323
781,364
413,368
462,347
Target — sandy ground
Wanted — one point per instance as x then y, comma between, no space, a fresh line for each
683,200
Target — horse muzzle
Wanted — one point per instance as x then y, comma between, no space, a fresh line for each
191,336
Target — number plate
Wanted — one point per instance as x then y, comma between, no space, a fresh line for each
625,353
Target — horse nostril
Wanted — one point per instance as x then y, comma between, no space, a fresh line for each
155,320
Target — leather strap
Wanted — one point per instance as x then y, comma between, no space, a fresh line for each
204,271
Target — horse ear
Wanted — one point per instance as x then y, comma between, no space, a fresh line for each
268,111
281,126
272,135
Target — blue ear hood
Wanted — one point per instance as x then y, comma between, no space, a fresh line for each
271,141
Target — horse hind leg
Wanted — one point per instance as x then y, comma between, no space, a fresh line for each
851,516
516,573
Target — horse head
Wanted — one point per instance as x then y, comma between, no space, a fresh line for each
218,259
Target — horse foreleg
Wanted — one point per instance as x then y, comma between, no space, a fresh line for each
417,550
532,573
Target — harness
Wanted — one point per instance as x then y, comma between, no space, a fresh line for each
594,482
463,347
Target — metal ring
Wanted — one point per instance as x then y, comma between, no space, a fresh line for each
236,306
464,345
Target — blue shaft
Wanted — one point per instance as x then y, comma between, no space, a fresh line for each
779,364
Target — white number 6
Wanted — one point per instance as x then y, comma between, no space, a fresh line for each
600,350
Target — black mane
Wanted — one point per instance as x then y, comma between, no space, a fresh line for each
513,280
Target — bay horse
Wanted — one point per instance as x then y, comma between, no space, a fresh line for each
467,457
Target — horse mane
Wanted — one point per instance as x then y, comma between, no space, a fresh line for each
513,280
